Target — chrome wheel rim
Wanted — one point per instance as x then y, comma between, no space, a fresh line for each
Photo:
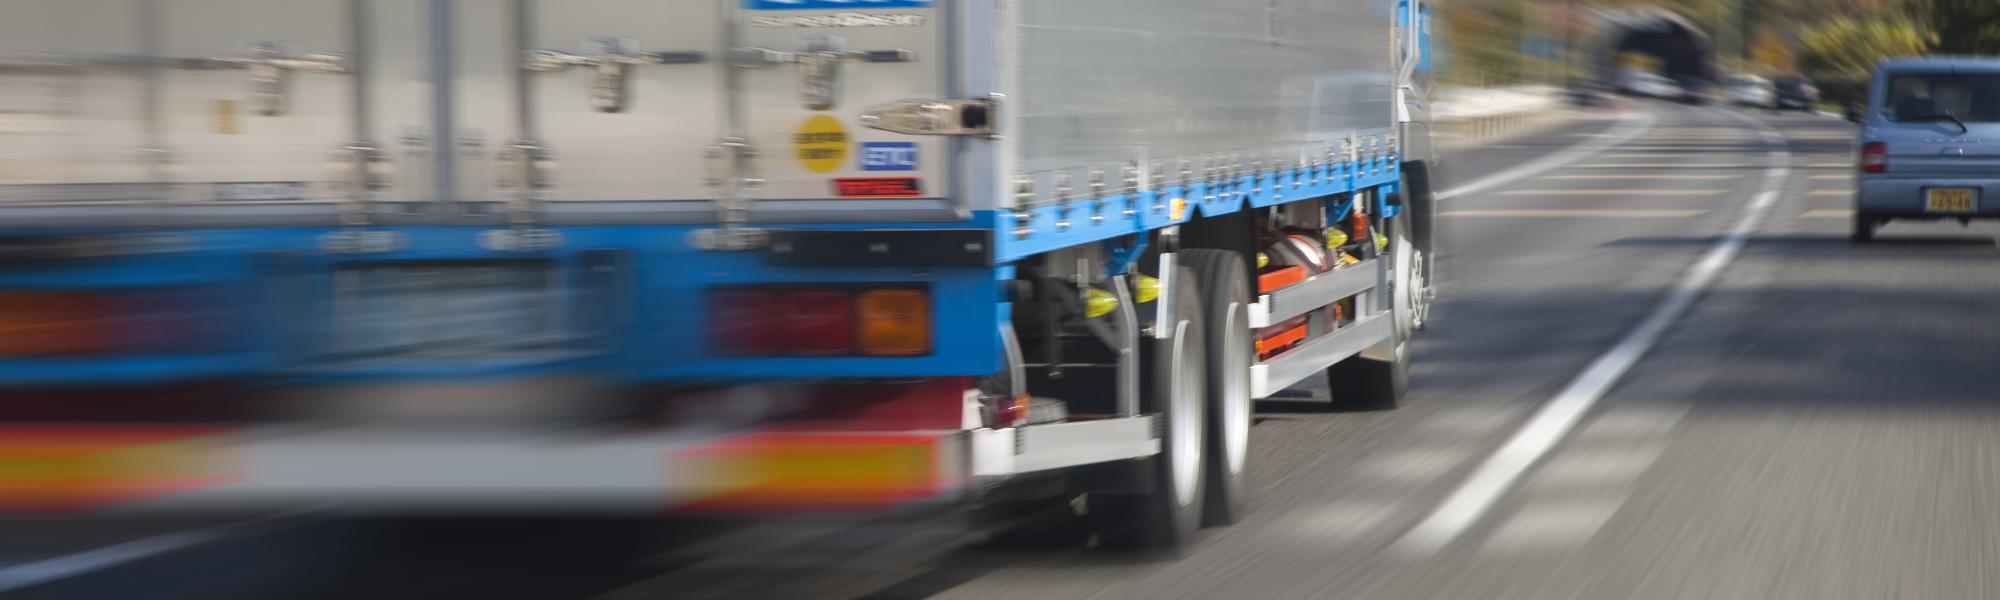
1236,391
1186,427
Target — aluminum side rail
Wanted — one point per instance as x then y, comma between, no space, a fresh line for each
1317,292
1314,356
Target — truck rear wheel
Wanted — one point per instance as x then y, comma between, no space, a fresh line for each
1224,281
1864,228
1174,385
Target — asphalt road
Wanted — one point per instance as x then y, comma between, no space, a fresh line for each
1658,370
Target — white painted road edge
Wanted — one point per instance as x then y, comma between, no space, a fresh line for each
1464,507
1630,127
25,575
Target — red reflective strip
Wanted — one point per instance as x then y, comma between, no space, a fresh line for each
876,187
1282,340
1280,277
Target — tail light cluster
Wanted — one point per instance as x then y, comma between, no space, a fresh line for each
819,321
1874,157
71,323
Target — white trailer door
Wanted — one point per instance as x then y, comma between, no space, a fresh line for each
577,101
73,104
810,69
286,101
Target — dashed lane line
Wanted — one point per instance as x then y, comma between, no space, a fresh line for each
1493,477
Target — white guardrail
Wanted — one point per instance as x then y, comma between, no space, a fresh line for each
1472,116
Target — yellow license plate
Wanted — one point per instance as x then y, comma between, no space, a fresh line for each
1948,200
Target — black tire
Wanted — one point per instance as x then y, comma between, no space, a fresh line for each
1170,514
1224,280
1377,378
1864,228
1361,383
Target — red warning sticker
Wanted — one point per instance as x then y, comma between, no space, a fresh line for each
876,187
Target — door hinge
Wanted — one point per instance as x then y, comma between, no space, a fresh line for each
975,117
733,175
360,170
526,172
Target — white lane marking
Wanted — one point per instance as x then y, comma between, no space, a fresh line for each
1493,477
1630,126
1637,177
38,572
1554,525
1830,193
1827,213
1616,193
1828,177
1578,213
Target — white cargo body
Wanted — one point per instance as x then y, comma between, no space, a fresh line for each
652,111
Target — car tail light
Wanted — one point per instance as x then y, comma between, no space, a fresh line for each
1874,157
746,322
820,321
895,322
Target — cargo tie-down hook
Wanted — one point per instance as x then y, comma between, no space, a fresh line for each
818,58
610,61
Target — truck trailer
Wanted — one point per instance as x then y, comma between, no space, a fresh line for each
776,256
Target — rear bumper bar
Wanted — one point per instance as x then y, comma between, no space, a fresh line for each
406,469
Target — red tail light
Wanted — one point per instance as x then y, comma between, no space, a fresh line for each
820,321
745,322
57,323
766,321
1874,157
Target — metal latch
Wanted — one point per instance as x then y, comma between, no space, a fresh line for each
360,169
610,61
818,58
526,172
936,117
271,69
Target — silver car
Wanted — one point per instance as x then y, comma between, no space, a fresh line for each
1930,143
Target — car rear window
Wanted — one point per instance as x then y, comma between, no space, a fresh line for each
1972,97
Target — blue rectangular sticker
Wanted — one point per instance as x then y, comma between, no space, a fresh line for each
888,156
834,4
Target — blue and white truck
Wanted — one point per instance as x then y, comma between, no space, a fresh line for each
645,255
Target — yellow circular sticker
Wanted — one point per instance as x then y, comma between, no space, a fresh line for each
821,144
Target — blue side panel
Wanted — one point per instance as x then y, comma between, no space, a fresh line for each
1082,221
661,332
